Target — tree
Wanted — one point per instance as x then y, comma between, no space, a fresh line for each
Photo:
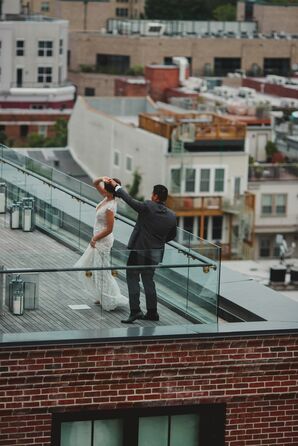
3,138
271,149
133,189
182,9
225,12
35,140
58,140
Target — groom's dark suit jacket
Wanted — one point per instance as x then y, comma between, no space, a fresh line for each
155,225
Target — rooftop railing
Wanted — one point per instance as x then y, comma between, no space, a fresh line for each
187,280
273,172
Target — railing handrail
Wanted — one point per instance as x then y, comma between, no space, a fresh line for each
105,268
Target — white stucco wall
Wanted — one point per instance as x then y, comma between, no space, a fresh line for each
256,140
94,136
278,224
234,163
31,32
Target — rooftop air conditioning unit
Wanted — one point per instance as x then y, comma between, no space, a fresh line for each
154,29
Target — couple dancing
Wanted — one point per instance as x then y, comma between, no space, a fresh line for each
155,226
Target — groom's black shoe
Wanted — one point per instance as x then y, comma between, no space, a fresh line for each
134,315
151,315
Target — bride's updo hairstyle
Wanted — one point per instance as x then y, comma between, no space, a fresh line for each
109,188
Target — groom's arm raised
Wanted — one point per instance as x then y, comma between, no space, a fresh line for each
137,205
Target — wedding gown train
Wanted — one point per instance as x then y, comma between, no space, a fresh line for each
104,286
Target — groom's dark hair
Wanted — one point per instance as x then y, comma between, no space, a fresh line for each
161,191
109,188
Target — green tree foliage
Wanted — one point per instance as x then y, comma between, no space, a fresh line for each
59,140
225,12
134,188
35,140
183,9
3,138
271,149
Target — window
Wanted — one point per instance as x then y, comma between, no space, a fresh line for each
60,46
112,63
280,204
273,204
278,66
116,158
264,247
205,180
44,74
188,225
237,187
266,204
45,6
175,181
217,228
225,65
20,47
121,12
129,163
190,180
219,180
45,48
89,91
43,130
173,426
24,130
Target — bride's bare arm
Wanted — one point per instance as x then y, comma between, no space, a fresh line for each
98,184
106,231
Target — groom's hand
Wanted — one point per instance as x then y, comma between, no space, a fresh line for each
113,183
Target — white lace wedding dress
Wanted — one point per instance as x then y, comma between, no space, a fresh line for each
102,283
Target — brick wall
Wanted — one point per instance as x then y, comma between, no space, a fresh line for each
272,89
255,376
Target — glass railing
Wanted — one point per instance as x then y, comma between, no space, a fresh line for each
52,295
187,281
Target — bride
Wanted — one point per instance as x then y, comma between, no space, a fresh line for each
97,254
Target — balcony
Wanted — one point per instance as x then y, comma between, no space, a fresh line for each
187,281
194,204
273,172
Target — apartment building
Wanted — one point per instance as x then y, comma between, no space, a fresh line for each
87,15
270,16
275,189
34,91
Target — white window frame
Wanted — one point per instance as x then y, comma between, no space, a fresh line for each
45,51
22,48
45,75
128,159
182,187
43,130
61,46
45,6
116,154
274,205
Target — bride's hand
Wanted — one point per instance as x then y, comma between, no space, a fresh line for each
93,242
106,179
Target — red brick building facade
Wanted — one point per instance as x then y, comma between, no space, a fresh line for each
253,379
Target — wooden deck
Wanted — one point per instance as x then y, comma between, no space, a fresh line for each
57,291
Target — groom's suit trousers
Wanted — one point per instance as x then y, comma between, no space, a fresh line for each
133,280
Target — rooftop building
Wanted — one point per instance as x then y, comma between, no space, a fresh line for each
34,91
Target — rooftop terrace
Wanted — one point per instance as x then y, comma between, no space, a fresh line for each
191,298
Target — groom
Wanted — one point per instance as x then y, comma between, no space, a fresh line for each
155,225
